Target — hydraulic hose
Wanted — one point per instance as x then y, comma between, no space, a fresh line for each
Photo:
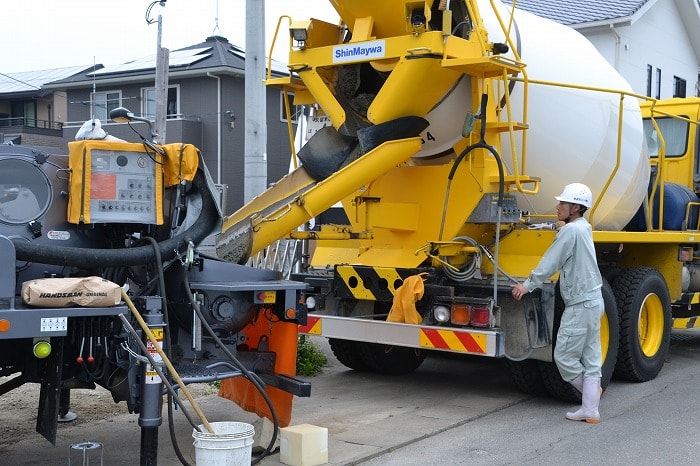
481,144
87,258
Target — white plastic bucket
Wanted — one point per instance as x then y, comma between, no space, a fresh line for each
231,444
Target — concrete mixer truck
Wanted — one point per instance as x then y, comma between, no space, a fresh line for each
451,126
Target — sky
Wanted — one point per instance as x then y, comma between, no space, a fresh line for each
44,34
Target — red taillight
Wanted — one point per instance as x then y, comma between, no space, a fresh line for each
460,314
481,317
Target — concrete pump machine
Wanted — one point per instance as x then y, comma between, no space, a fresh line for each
449,128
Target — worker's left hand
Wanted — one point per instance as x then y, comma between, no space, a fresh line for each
519,291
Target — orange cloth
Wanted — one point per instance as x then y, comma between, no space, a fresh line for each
403,308
282,339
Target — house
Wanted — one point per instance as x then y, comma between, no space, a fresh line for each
653,44
205,107
31,114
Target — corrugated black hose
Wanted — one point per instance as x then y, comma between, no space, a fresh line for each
88,258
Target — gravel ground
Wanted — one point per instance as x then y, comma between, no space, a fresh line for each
19,409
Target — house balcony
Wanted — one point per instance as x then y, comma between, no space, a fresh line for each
177,129
31,131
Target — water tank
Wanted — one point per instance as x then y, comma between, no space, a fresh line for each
676,200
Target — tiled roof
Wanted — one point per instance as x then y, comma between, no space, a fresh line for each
572,12
31,81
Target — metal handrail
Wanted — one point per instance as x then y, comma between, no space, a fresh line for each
30,123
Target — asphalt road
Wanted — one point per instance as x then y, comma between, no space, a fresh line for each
650,423
452,410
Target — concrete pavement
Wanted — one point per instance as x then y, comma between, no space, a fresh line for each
366,414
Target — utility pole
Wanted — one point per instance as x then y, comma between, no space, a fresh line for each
161,84
255,148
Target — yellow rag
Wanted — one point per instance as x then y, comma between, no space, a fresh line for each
403,308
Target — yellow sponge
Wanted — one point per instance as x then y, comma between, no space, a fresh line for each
304,445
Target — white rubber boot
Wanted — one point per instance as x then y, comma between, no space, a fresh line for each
578,383
591,399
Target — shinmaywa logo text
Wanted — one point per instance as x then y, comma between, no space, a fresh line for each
356,52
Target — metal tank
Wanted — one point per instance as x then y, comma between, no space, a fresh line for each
573,133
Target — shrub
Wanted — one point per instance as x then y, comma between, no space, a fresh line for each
310,359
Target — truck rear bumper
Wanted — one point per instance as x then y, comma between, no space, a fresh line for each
455,340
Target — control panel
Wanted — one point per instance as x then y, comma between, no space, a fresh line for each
487,209
122,187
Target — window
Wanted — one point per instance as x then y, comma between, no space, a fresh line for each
658,83
294,110
678,87
105,102
148,102
23,113
675,134
649,78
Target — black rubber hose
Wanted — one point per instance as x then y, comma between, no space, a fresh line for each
481,144
87,258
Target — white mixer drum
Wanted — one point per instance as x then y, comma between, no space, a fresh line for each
572,135
447,119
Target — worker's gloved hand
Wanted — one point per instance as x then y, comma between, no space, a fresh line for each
542,226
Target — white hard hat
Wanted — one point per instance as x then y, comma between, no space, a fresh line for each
576,193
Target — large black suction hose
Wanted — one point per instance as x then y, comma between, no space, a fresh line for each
87,258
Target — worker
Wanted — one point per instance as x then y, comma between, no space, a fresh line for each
577,352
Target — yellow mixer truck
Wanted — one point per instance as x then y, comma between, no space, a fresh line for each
451,127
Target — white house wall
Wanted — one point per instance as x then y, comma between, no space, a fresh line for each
658,38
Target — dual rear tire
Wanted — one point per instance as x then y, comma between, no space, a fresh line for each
375,357
635,335
542,378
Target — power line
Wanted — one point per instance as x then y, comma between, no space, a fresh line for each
20,81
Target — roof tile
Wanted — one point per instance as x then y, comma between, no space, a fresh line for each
571,12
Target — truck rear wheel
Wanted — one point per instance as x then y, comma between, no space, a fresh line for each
348,354
526,376
609,341
645,323
390,359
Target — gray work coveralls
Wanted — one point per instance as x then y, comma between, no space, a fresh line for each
572,253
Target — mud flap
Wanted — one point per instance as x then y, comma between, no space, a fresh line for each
282,340
528,323
539,328
47,414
